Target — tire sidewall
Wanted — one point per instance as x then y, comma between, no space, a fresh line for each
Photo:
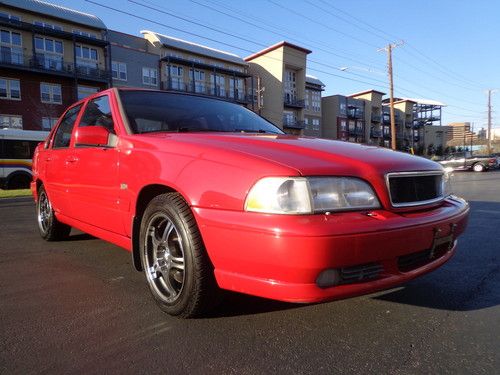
163,204
478,168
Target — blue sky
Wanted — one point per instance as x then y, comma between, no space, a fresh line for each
451,52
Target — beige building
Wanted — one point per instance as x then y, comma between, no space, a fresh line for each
190,67
373,120
312,109
460,134
436,136
281,70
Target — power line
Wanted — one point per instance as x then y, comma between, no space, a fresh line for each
444,69
263,45
322,24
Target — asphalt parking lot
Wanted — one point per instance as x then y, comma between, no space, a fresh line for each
78,306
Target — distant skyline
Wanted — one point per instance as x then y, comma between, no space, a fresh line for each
450,53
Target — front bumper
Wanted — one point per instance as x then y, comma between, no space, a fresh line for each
280,257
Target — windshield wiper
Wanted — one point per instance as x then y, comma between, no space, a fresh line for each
251,131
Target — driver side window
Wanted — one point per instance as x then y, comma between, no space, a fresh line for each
98,113
62,137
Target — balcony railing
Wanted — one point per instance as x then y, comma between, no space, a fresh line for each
355,113
376,118
293,123
202,88
51,64
291,101
376,133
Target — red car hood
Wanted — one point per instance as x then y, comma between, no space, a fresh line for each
310,156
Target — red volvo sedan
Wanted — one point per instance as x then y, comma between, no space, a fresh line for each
205,194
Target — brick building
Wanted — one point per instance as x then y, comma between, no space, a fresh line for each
50,57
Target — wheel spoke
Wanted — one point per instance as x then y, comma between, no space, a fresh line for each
168,229
177,263
154,240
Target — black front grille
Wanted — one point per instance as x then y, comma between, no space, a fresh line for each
414,189
359,273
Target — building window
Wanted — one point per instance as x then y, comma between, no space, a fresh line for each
119,70
50,93
176,77
316,101
47,25
237,92
149,76
48,122
84,91
86,59
219,83
308,101
290,85
49,53
10,89
84,33
199,80
11,121
9,16
315,124
306,122
11,47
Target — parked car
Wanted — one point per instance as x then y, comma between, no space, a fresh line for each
206,194
467,161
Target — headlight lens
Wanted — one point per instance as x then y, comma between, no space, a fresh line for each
300,195
446,184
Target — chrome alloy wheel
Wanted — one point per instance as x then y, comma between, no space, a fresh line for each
164,258
44,213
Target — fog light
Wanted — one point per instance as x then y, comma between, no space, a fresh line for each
328,278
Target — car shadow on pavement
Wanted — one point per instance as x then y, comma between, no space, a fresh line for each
235,304
80,237
471,279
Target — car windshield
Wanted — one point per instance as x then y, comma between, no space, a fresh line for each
153,111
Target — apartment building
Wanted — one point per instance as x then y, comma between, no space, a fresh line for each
281,70
376,129
133,63
50,56
189,67
344,118
312,109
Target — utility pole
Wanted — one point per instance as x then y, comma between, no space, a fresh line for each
389,49
489,120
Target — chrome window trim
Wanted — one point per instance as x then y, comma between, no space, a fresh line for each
406,174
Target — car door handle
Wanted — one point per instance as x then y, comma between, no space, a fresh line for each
48,159
71,159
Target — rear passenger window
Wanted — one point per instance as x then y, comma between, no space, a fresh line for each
62,137
98,113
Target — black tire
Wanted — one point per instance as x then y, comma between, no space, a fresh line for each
49,227
175,263
18,181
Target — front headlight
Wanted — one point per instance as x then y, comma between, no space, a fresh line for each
300,195
446,184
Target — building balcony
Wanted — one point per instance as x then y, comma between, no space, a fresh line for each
202,88
292,102
376,118
41,63
289,123
374,133
355,113
40,30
